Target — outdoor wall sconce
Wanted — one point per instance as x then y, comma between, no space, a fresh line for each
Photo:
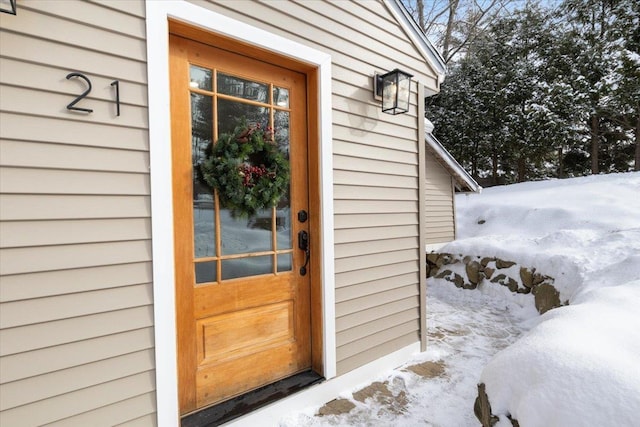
394,88
8,6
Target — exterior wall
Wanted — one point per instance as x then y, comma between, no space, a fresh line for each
440,212
76,317
376,198
76,320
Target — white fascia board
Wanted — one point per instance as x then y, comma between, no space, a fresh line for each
418,38
446,157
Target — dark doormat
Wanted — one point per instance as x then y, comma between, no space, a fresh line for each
226,411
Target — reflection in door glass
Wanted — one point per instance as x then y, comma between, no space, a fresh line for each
242,235
283,214
203,211
243,267
232,113
281,97
200,78
241,88
284,262
206,272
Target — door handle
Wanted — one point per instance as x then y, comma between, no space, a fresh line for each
303,243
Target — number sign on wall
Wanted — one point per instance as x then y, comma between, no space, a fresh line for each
72,105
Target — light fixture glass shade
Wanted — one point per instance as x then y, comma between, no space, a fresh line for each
396,90
8,6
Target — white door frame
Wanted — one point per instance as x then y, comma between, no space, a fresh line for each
157,15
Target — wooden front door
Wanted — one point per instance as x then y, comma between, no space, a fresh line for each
243,304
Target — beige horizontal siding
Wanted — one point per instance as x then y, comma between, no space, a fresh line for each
15,207
144,421
48,283
123,413
63,156
20,127
32,389
23,47
45,78
48,258
381,272
65,30
77,353
76,304
350,235
19,100
440,215
26,312
15,234
376,351
80,401
31,337
359,290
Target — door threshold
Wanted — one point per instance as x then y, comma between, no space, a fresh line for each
233,408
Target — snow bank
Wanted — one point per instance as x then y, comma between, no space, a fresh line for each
579,365
573,229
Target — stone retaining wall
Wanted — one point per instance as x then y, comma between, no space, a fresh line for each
468,272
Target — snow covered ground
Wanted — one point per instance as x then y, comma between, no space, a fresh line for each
577,365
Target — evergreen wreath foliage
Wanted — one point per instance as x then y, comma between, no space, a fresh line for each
247,170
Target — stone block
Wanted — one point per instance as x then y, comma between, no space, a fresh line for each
486,260
443,274
499,279
538,278
546,297
482,408
500,263
432,257
527,277
488,272
458,280
474,272
512,284
336,407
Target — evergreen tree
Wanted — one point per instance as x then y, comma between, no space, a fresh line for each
541,94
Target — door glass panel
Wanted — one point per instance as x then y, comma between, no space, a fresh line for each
206,272
281,97
203,211
243,267
200,78
238,236
232,113
283,211
284,262
241,88
242,235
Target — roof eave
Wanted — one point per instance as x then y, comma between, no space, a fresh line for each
419,38
464,180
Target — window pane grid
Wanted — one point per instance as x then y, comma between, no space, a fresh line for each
236,98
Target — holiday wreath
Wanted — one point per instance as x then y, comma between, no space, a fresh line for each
247,169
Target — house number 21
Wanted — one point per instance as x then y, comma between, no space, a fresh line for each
72,105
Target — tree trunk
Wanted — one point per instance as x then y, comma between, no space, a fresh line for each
560,163
420,6
446,43
494,166
474,159
595,144
522,169
636,165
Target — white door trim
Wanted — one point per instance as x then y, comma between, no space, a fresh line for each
157,15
